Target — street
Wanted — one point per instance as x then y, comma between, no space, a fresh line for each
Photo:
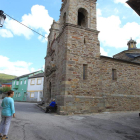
31,123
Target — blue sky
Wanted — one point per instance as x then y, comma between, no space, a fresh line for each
22,51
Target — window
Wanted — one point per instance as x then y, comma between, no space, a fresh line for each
18,94
17,83
14,82
32,82
85,71
82,17
25,82
25,94
39,81
41,94
21,82
114,74
84,41
32,95
64,18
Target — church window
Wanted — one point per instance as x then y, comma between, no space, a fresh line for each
84,41
85,71
64,18
82,17
114,74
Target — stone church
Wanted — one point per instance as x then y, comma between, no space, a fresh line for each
77,76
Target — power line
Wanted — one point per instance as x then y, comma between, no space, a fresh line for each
26,26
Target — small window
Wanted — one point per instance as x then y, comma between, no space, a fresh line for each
85,71
14,82
114,74
21,82
32,82
18,94
25,82
32,95
25,94
39,81
84,41
64,18
17,83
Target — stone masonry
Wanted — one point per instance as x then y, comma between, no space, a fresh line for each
77,76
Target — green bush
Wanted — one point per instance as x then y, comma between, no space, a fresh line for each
5,89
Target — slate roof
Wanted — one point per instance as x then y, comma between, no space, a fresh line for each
7,84
37,75
133,55
121,60
26,75
134,4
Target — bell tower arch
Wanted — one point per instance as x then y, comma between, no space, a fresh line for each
79,12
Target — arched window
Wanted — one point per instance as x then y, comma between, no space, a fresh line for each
82,17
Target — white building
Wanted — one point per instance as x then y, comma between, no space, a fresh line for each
35,87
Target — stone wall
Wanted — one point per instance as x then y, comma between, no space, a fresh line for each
70,7
122,94
76,46
56,73
82,48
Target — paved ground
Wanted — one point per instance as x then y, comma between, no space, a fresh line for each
33,124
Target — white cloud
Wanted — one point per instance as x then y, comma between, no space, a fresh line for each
17,29
5,33
121,1
99,12
38,20
113,34
103,52
14,68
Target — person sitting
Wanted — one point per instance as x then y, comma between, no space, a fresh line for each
51,107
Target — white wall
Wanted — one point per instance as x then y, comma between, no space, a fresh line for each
35,86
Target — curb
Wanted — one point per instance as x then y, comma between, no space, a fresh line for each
42,108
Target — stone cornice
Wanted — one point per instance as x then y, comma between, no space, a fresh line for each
78,27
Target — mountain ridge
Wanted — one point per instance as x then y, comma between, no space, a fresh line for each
6,78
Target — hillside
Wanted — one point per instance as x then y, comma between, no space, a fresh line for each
5,78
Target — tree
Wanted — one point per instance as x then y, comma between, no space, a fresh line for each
5,89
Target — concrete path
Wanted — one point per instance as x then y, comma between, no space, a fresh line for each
31,123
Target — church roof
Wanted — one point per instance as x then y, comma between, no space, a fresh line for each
133,55
120,60
134,4
37,75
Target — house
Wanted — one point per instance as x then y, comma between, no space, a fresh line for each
77,76
7,85
19,86
35,88
135,5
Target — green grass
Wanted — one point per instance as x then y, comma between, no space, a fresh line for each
5,78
